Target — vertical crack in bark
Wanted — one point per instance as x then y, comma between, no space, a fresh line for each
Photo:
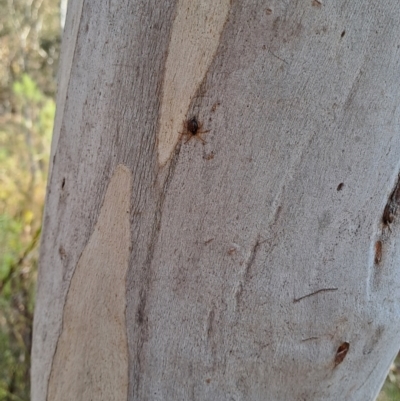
141,318
246,273
252,258
210,322
211,340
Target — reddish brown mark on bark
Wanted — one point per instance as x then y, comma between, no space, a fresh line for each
341,352
378,252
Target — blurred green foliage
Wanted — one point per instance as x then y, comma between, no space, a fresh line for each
391,388
29,47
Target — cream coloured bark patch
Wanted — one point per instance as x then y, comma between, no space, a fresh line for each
91,359
194,40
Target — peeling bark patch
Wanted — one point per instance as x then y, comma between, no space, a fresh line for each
314,293
194,41
316,3
341,353
91,359
378,252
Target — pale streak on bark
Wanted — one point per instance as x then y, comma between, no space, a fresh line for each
194,41
91,359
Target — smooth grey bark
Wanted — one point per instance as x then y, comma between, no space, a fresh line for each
259,265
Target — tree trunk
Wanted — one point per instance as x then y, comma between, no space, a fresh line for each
221,219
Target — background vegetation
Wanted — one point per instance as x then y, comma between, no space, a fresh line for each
29,48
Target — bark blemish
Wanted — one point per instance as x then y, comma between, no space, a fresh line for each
340,186
316,3
209,156
310,339
214,106
231,251
341,352
238,293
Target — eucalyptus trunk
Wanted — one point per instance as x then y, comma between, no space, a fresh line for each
221,219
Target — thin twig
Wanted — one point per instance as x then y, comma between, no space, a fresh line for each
314,293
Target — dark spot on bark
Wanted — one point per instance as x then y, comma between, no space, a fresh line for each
63,183
62,252
341,353
340,186
342,34
210,156
214,107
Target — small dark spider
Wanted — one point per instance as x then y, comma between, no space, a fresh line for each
193,130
